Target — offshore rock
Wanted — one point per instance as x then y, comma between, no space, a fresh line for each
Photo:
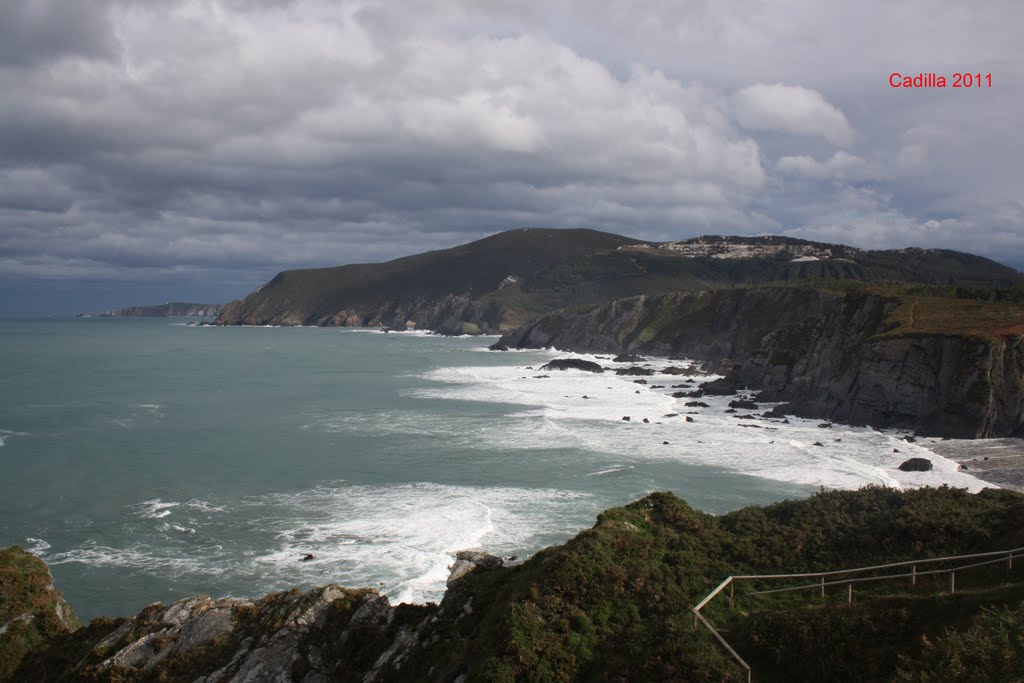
572,364
916,465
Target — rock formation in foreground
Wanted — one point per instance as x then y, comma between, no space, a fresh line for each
611,604
32,610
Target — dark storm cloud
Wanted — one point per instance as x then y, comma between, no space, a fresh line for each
38,31
222,140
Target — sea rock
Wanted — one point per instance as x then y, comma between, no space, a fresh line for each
746,405
625,418
916,465
498,346
720,387
689,419
634,370
628,358
675,370
572,364
639,381
467,561
696,404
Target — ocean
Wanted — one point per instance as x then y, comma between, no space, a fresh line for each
147,460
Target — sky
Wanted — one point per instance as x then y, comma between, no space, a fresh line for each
163,150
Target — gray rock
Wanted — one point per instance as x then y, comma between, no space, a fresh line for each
467,561
572,364
916,465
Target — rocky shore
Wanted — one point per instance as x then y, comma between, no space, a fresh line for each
610,604
999,461
828,356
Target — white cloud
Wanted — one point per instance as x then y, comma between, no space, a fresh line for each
839,165
261,134
791,109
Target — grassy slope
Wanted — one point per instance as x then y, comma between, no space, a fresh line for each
569,267
613,603
28,605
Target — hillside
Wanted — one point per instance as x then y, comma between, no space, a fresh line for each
502,281
172,309
612,604
32,610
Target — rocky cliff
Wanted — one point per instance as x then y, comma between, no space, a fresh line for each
32,610
612,604
501,281
172,309
887,360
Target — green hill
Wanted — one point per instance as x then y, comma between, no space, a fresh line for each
501,281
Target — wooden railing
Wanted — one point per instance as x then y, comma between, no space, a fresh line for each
832,578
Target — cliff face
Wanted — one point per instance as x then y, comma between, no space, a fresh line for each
828,355
450,314
611,604
501,281
32,610
173,309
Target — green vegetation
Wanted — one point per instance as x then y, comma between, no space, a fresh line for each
613,604
985,318
31,610
555,269
990,649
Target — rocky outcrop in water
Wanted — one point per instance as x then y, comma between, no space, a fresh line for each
572,364
828,355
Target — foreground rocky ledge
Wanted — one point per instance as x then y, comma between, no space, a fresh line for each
610,604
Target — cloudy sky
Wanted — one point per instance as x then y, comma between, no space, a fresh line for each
162,149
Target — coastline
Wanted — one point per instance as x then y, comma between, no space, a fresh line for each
997,461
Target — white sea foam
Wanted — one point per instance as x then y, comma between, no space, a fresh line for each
611,470
553,413
406,535
400,536
154,509
37,546
205,506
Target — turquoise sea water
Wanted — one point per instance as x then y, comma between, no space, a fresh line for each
146,460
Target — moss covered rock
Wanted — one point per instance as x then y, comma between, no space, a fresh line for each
31,609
